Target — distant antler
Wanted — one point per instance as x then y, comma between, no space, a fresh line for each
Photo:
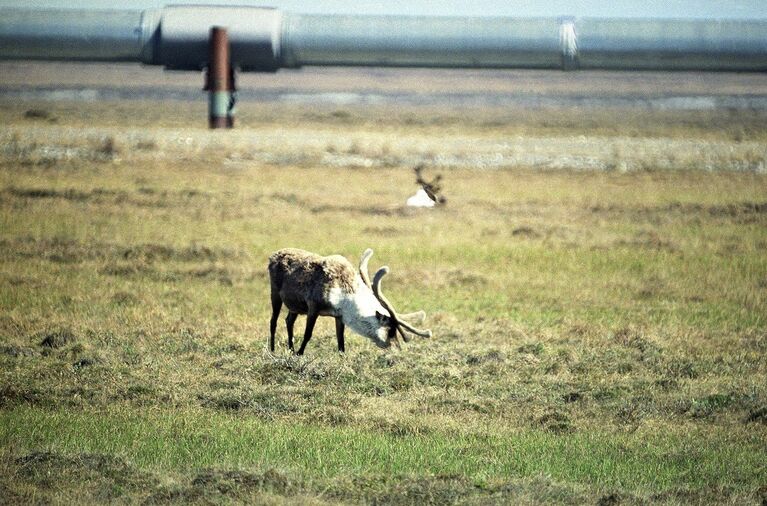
432,188
398,321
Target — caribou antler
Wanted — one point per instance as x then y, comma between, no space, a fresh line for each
387,305
398,321
364,266
417,317
432,188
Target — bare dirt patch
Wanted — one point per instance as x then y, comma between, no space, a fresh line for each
103,478
62,250
58,338
758,415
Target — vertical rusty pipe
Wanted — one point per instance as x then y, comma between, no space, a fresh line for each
220,80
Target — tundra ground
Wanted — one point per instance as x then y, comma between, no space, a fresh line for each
596,284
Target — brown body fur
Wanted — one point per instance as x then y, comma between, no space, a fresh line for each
301,277
302,281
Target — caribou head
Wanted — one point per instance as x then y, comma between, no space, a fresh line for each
394,322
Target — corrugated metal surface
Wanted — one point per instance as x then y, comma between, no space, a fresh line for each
672,44
182,40
70,35
420,41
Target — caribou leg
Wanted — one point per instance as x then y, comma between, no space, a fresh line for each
340,333
289,321
311,319
276,306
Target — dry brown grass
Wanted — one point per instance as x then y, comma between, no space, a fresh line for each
599,334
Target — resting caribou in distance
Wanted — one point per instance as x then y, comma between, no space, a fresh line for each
315,286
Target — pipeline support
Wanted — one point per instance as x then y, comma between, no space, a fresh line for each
219,81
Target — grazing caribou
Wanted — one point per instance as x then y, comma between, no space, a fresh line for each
314,285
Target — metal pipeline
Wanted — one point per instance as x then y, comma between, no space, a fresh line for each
263,39
80,35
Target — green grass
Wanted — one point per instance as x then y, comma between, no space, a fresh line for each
598,336
164,440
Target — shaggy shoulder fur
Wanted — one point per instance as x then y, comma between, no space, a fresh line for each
295,271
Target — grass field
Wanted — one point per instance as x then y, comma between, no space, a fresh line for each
596,285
